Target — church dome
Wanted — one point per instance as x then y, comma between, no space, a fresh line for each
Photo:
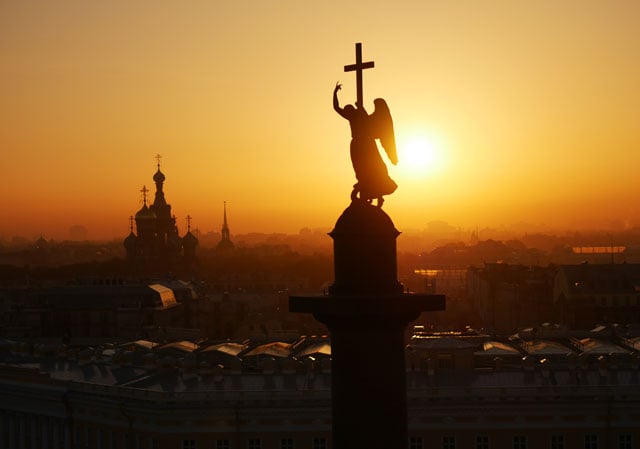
145,214
159,176
189,240
130,241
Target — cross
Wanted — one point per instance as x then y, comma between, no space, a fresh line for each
158,157
188,223
359,66
144,191
131,223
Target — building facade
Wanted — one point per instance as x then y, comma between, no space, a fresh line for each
90,399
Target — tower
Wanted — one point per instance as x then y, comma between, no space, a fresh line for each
225,243
168,242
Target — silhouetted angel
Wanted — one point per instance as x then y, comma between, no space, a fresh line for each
371,171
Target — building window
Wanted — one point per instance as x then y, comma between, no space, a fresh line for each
591,441
519,442
415,443
254,443
448,442
286,443
557,441
222,444
625,441
482,442
188,444
319,443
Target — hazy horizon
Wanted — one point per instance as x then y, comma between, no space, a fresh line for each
504,112
436,228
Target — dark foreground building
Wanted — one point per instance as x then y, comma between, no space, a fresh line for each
278,396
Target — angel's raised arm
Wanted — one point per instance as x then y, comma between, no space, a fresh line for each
336,103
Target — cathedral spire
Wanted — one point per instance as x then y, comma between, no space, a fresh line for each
225,225
225,242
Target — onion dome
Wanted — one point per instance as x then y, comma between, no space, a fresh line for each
130,242
159,176
189,240
145,214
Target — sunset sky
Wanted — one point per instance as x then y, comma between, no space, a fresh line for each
505,111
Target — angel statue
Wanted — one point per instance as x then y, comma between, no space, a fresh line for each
371,171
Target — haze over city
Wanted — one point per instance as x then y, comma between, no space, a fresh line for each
504,112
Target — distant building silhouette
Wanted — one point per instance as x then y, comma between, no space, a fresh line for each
507,297
225,243
157,242
586,294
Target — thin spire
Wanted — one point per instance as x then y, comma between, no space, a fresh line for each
131,223
225,226
188,223
158,157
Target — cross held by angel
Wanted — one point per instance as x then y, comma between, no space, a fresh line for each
370,170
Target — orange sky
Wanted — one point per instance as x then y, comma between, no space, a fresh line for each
531,111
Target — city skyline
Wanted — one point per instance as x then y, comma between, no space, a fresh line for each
505,112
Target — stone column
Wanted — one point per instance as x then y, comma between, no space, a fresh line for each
367,313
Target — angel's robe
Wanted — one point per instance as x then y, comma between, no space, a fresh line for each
371,171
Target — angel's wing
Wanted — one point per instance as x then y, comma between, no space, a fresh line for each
383,128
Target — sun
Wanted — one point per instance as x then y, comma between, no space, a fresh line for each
419,155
